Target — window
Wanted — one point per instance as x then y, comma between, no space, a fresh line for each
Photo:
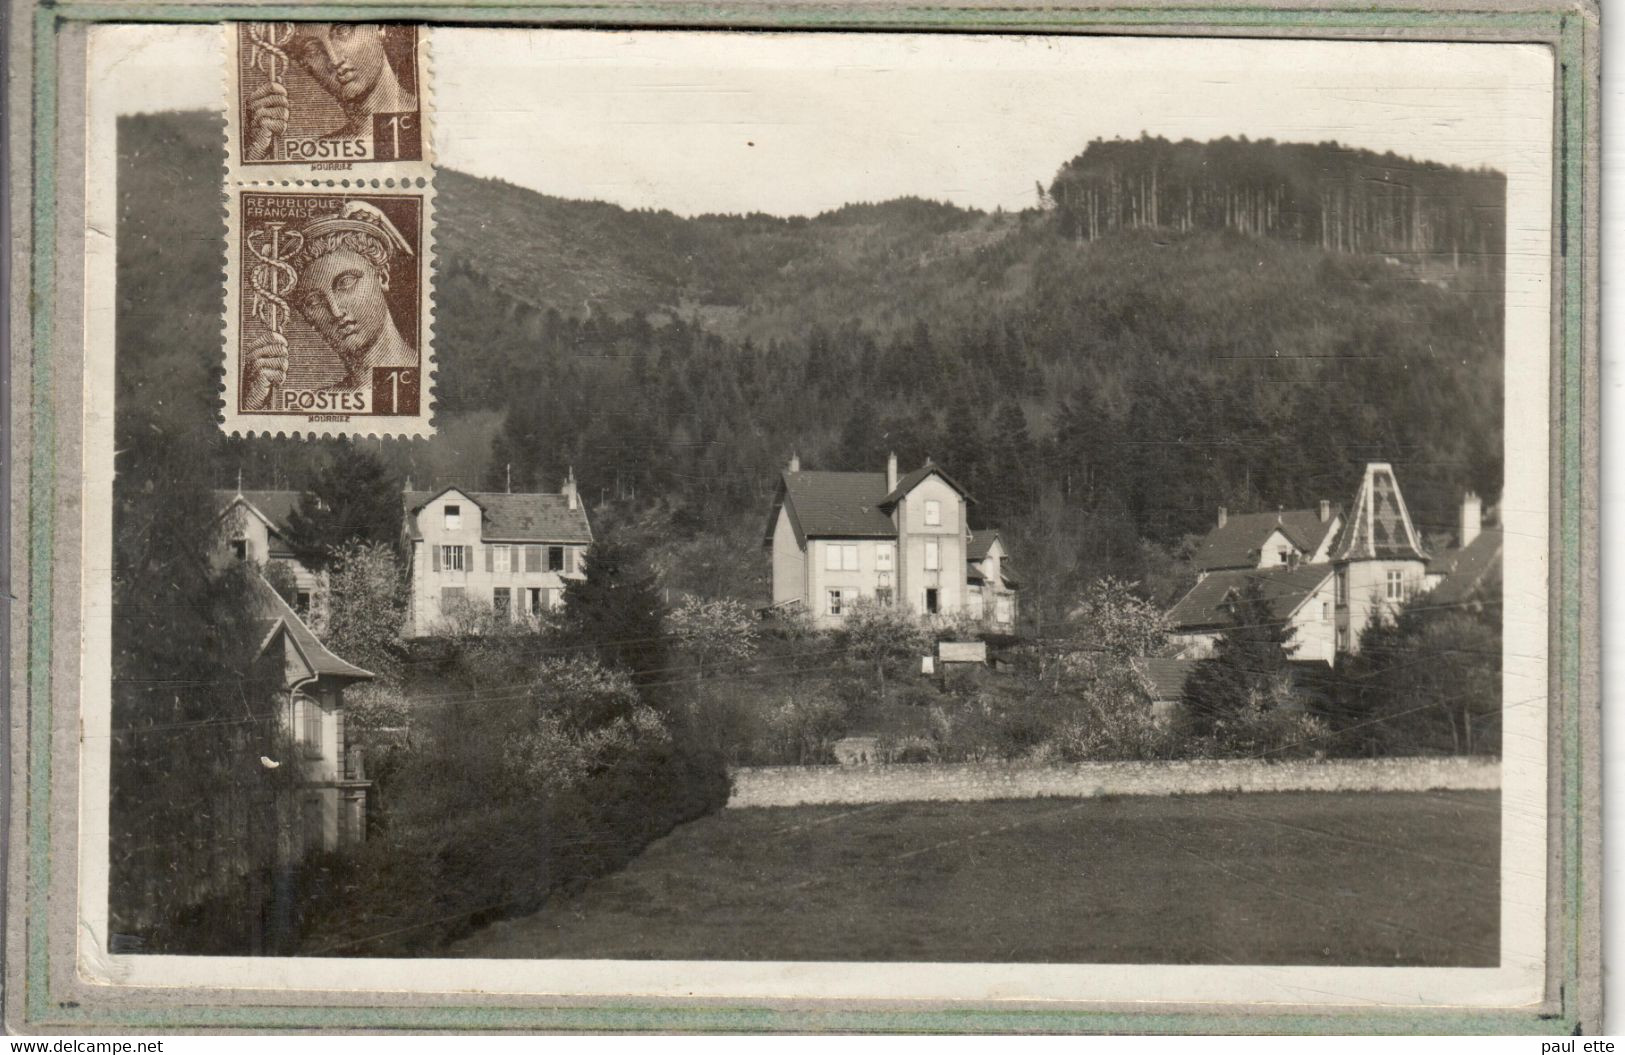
933,555
840,556
1001,610
835,602
450,598
451,558
883,557
533,600
502,602
454,517
308,726
883,596
1396,585
1342,639
555,558
1343,586
1326,610
931,600
501,559
1284,555
533,558
301,602
933,513
240,548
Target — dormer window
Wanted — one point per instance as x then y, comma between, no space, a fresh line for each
933,513
454,517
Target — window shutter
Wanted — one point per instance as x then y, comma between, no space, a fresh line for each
569,559
434,557
533,558
489,559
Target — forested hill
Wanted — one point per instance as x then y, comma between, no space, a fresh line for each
1320,194
1094,393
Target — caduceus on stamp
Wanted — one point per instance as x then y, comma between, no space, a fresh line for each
327,96
327,326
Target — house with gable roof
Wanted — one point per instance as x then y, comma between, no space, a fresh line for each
329,810
254,526
1269,540
1325,573
511,552
991,589
840,537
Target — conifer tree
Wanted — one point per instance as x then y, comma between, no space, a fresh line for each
1248,661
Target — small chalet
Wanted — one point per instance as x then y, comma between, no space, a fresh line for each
331,798
511,552
839,537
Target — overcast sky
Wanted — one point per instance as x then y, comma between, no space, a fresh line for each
800,123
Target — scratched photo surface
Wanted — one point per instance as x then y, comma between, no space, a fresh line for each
895,499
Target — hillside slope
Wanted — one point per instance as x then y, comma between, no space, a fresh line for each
1092,390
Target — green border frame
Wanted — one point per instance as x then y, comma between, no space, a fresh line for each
1570,27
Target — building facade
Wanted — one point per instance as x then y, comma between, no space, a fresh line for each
1327,574
329,807
254,527
473,552
840,537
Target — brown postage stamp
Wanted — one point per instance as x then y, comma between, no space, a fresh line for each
325,96
328,318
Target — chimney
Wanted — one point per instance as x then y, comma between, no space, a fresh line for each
571,497
795,462
891,472
1224,515
1325,510
1472,513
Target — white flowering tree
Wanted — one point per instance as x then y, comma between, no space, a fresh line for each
713,633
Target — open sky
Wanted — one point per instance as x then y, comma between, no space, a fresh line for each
799,123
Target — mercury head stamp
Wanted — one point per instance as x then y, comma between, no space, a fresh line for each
330,313
327,95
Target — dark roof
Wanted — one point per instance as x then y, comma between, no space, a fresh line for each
1164,676
1206,605
912,480
980,543
1478,564
1237,544
276,611
275,506
511,517
834,505
1378,527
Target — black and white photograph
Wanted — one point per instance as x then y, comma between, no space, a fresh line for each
908,516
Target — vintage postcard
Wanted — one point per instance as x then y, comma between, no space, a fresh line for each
326,96
922,531
330,312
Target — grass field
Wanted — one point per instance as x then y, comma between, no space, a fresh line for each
1311,878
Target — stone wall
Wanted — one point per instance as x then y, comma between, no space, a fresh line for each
944,782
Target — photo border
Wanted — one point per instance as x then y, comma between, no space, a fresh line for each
44,993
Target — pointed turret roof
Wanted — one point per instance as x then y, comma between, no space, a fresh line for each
1378,526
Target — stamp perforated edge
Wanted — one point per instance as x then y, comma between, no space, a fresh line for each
235,422
238,169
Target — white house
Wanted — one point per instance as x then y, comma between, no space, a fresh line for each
839,537
1325,573
992,589
254,527
330,807
511,552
